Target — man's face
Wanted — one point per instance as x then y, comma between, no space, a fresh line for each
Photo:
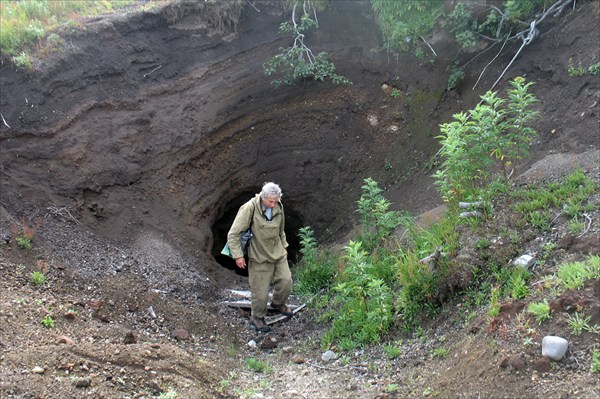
270,202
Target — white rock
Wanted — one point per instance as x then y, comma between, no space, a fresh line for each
554,347
38,370
525,261
252,343
329,355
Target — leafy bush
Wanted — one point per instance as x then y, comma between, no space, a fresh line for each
298,61
48,322
376,220
595,363
517,284
540,310
38,278
573,275
365,302
317,269
258,366
403,22
23,242
496,130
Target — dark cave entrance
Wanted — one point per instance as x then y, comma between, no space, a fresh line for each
293,223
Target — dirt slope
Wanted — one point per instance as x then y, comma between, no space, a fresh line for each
131,152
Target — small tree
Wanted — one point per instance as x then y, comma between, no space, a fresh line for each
496,130
299,61
376,220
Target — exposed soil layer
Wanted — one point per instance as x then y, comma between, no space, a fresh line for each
131,150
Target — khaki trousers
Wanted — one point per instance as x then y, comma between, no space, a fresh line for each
260,276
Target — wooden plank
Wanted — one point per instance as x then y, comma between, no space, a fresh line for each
269,319
274,319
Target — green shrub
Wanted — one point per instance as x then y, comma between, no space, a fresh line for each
573,70
578,323
258,366
376,220
497,130
48,322
539,310
364,300
38,278
23,242
595,363
317,269
298,61
517,284
572,275
403,22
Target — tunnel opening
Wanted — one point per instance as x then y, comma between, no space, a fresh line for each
293,223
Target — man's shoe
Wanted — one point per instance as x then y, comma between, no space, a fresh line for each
283,309
260,325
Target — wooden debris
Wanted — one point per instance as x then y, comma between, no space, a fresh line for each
433,259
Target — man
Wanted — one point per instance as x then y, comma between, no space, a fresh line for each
267,252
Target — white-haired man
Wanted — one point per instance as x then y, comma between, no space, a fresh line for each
267,252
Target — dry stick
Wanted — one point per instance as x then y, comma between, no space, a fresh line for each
158,67
494,59
585,230
253,6
526,41
62,212
431,48
4,120
532,32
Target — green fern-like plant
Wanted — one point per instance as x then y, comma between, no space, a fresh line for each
539,310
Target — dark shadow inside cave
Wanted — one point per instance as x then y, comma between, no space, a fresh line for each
293,223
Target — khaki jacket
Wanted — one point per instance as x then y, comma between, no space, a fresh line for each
268,243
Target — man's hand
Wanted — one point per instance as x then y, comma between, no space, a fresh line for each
241,262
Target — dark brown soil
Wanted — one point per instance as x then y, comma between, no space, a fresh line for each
130,150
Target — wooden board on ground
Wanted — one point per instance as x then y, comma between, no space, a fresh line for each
246,304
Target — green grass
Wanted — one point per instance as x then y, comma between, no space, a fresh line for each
538,204
539,310
48,322
38,278
258,366
25,23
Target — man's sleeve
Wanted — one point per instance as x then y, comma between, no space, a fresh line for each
240,224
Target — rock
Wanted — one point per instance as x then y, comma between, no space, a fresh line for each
132,307
328,356
554,347
155,387
287,349
65,340
129,338
82,383
181,335
517,362
594,313
38,370
70,315
102,317
469,214
298,360
541,365
268,343
525,261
